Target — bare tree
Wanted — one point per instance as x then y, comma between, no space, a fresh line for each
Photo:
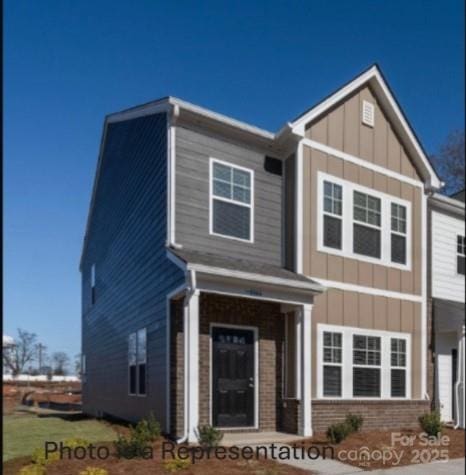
61,362
449,162
16,357
77,364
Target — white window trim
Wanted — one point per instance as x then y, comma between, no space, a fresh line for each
347,223
347,362
226,200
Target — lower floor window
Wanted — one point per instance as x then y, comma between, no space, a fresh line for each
359,363
137,356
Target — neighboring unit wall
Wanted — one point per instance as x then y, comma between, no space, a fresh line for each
126,243
446,282
194,148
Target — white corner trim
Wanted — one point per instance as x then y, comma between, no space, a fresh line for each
250,171
347,220
332,284
254,277
171,175
299,206
361,162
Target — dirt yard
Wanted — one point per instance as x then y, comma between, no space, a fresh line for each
380,449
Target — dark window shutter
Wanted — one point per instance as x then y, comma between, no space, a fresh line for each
332,232
231,220
366,241
332,381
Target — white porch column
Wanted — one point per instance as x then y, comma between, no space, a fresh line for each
192,329
306,370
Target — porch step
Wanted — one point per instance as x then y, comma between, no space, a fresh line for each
256,438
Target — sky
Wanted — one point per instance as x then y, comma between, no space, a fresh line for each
67,64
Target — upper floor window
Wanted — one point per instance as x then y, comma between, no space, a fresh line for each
231,201
362,223
333,210
398,234
460,254
367,225
93,284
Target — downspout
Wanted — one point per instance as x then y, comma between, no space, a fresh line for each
460,381
190,290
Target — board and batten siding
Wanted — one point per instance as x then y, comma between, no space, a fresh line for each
126,242
343,130
194,149
327,266
371,312
446,282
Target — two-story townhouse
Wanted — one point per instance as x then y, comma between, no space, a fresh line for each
258,281
447,306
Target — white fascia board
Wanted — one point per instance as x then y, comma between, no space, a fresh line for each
372,74
448,204
256,277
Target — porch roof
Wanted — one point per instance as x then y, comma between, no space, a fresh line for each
448,315
244,269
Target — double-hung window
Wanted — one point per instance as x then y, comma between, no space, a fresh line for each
137,358
333,211
460,254
398,233
366,366
366,225
231,201
398,367
332,363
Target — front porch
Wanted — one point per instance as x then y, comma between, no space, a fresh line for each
449,340
248,357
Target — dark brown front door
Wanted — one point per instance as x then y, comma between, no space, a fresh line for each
232,377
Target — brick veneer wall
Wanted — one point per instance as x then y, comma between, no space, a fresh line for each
377,414
266,316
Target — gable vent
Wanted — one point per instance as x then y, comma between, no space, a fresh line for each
368,113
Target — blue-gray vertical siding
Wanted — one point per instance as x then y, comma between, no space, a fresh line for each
126,242
194,148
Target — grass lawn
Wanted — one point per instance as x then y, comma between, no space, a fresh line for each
24,433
